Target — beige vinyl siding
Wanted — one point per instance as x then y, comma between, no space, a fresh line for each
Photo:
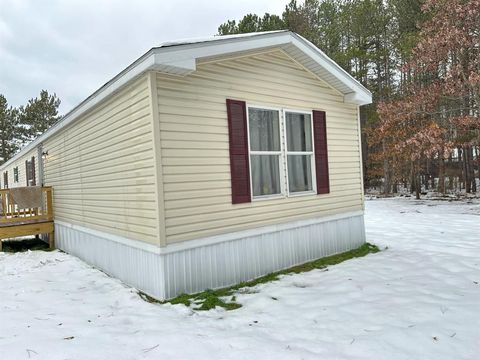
20,162
194,143
102,167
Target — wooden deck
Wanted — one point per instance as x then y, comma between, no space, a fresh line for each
15,222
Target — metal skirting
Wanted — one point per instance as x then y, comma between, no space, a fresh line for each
228,263
139,268
165,274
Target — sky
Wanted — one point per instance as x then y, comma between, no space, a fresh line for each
73,47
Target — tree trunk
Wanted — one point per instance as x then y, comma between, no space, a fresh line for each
477,158
451,176
471,170
365,154
441,174
386,174
461,174
412,179
466,170
417,186
426,177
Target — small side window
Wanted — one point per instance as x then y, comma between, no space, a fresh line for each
5,180
30,171
15,174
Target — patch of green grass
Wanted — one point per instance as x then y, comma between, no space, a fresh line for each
148,298
182,299
209,299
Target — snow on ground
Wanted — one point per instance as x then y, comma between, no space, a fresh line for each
419,299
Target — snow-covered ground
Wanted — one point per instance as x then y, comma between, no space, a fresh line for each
419,299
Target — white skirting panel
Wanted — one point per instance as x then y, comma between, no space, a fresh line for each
137,267
227,263
213,262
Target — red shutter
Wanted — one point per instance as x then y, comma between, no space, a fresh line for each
321,151
239,164
27,171
34,182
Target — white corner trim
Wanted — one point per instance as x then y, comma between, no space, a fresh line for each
157,155
211,240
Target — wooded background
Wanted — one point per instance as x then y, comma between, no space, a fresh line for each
421,61
21,125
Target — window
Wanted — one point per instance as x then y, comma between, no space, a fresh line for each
281,152
298,128
30,171
265,151
15,174
5,180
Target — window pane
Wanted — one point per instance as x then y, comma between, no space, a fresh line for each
299,173
265,174
264,130
299,132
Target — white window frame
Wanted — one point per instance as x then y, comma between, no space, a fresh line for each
279,153
16,175
310,153
282,154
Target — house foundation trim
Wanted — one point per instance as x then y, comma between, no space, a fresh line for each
213,262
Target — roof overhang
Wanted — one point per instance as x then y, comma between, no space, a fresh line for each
181,58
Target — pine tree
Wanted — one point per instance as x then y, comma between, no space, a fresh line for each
421,60
9,130
439,109
38,115
252,23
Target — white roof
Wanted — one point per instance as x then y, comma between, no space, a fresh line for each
180,58
295,45
215,38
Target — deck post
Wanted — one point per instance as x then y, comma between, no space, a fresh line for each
50,204
51,240
15,222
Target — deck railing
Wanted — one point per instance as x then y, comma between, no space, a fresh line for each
10,213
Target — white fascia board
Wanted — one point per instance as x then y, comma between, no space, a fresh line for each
357,98
174,54
197,40
145,63
187,65
179,54
328,64
184,57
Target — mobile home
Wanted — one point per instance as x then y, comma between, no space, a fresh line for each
205,163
